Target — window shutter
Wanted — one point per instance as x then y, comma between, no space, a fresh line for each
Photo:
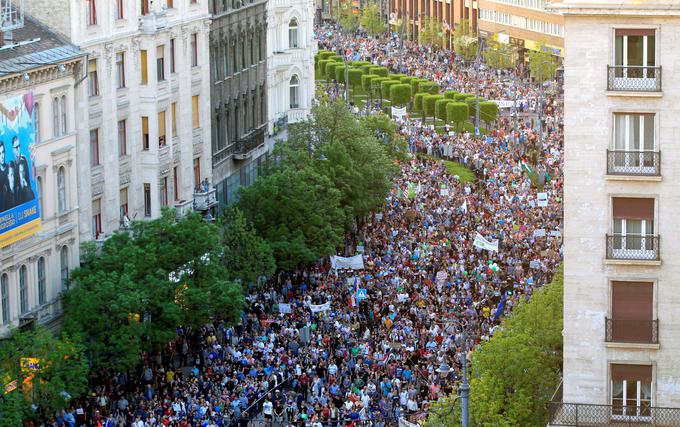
633,208
641,373
632,301
635,31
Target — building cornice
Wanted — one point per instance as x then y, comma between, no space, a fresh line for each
38,76
595,9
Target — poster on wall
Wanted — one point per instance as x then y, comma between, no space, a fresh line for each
19,204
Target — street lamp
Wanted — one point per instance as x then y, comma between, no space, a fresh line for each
540,102
465,387
480,43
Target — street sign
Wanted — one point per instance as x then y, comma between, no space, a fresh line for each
361,294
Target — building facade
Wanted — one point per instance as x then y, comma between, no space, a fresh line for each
406,16
144,112
238,107
621,323
290,62
40,73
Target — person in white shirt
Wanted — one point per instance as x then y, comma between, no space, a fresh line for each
268,410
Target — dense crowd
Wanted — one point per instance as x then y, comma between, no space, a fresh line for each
310,350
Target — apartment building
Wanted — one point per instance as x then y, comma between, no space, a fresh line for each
143,128
524,24
407,15
621,318
40,73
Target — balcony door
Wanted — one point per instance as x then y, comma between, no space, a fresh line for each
634,52
631,387
633,312
633,227
634,143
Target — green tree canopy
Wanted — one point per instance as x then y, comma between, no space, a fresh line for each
381,71
371,19
418,101
542,65
415,85
56,371
457,112
432,32
488,111
400,94
498,55
349,21
429,103
465,40
355,76
440,108
461,97
385,86
330,69
366,81
450,94
340,73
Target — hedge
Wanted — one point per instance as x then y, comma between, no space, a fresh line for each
457,112
337,58
322,65
325,54
355,76
381,71
358,63
366,81
340,73
330,70
429,103
366,68
418,101
397,76
488,111
400,94
407,80
472,104
376,85
461,97
429,87
440,108
450,94
385,87
415,85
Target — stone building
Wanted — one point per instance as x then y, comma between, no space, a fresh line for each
621,323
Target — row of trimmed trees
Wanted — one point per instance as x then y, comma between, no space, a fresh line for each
421,95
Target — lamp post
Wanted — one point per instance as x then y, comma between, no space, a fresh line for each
465,387
540,103
480,43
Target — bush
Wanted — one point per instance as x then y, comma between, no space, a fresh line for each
450,94
321,66
330,70
358,63
429,102
440,108
337,58
340,73
472,104
415,85
457,112
355,76
400,94
428,87
376,85
418,101
461,97
407,80
324,54
397,76
488,111
385,87
381,71
366,68
366,81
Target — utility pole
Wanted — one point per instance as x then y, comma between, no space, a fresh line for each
344,56
465,387
480,42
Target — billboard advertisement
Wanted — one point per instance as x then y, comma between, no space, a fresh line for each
19,204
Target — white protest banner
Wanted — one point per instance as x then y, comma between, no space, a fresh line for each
534,264
355,262
398,113
285,308
444,191
540,232
482,243
556,233
316,308
542,200
378,217
402,297
505,103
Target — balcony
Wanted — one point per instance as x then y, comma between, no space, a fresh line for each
633,78
633,163
183,207
245,146
204,200
153,22
633,247
586,415
631,331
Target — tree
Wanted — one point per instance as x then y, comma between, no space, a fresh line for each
130,296
432,32
298,212
407,80
515,373
330,70
472,104
498,55
385,129
380,71
457,113
366,68
349,21
385,86
440,108
429,87
429,104
400,94
371,19
542,65
418,101
461,97
246,256
450,94
366,83
355,79
415,85
340,73
46,370
465,40
488,111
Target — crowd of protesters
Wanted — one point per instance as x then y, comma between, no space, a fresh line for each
310,349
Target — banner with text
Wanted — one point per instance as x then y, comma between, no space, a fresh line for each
482,243
355,262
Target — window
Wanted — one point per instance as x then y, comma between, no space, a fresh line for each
40,196
147,200
120,69
63,263
122,137
160,63
61,189
197,172
634,143
170,4
216,65
96,218
172,55
294,84
42,289
145,7
173,113
56,128
218,132
93,83
62,109
164,191
243,54
4,296
225,60
175,182
23,289
632,312
120,8
123,197
161,129
234,59
36,121
194,49
293,33
194,112
145,133
94,147
145,71
91,12
631,391
633,225
634,49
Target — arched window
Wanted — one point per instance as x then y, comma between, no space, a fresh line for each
36,121
63,114
55,117
42,289
294,95
23,289
61,189
4,298
293,33
63,263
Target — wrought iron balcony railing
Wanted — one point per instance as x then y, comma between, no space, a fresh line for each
244,147
633,163
631,331
633,78
633,247
577,414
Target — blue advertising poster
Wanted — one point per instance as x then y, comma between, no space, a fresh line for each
19,204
